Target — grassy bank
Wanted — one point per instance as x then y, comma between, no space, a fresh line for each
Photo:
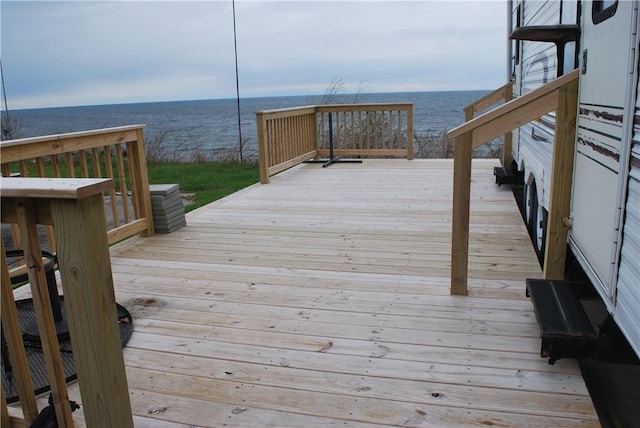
207,181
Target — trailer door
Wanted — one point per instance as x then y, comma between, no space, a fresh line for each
606,85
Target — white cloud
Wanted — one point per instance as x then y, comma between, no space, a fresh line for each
95,52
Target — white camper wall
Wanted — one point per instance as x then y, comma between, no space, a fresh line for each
627,312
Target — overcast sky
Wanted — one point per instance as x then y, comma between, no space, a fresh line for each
65,53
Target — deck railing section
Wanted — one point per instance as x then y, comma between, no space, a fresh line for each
503,94
560,95
75,208
288,137
366,130
116,153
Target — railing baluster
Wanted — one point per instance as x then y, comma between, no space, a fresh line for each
25,211
124,194
71,172
83,164
17,355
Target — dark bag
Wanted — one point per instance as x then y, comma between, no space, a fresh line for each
47,417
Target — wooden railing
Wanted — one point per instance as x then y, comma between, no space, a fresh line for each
560,95
503,94
75,208
288,137
116,153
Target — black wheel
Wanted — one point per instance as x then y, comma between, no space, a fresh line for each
536,217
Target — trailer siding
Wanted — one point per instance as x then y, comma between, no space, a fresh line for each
627,312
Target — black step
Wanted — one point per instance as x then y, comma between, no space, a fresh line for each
504,175
565,328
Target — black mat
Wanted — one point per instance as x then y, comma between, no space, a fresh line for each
615,391
33,350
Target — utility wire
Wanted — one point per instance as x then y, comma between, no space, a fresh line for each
235,47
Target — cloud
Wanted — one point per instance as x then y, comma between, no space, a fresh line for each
58,53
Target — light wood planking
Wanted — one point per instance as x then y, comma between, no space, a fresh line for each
323,299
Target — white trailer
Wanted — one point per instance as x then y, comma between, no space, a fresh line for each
550,38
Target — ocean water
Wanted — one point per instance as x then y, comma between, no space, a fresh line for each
213,124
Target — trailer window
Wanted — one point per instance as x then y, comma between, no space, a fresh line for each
603,9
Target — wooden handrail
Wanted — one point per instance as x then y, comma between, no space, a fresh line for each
75,208
560,95
287,137
499,95
116,153
503,94
519,104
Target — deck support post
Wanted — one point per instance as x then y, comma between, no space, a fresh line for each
26,213
18,357
263,156
460,220
508,137
85,267
561,180
561,95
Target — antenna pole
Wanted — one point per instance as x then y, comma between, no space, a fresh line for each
4,92
6,123
235,48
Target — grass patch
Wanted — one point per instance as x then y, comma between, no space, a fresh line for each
209,181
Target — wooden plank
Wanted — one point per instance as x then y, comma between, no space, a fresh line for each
65,188
140,176
460,215
514,104
43,314
292,162
126,230
288,291
13,336
514,118
490,99
340,406
561,181
507,146
83,257
364,152
29,148
397,383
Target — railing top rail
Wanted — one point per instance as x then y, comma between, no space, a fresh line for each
514,104
311,108
335,107
70,135
362,106
489,99
54,188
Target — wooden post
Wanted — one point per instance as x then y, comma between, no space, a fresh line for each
410,132
263,155
508,137
140,177
5,421
460,215
561,180
85,266
18,356
26,214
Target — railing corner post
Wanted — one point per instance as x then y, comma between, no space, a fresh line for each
263,155
460,214
141,179
410,132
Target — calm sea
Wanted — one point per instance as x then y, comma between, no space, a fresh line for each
213,124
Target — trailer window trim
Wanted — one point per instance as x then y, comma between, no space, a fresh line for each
602,10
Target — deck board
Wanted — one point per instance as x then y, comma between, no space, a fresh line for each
322,299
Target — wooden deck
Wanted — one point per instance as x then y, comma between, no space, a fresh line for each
323,299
